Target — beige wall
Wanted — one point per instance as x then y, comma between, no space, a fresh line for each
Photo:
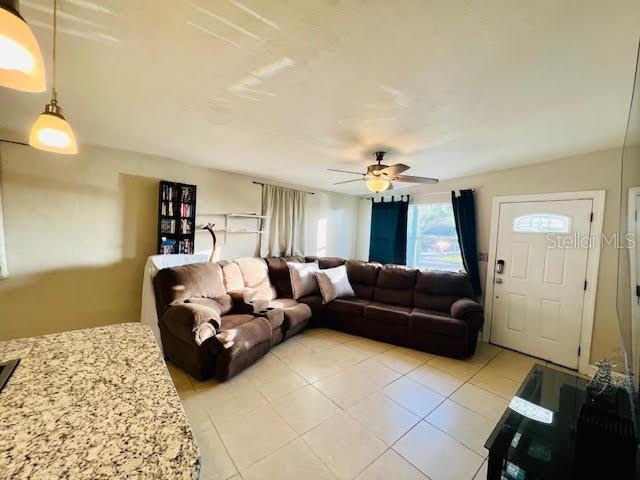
592,171
78,231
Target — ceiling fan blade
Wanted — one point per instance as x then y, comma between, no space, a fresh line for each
394,169
411,179
344,171
349,181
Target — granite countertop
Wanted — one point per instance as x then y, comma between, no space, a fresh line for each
93,404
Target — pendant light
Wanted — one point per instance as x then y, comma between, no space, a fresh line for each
51,132
21,65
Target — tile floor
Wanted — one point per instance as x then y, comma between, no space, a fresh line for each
328,405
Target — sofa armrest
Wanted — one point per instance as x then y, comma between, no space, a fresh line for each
462,306
468,310
240,304
179,319
274,315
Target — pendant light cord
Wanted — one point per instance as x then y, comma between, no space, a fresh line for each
3,140
54,93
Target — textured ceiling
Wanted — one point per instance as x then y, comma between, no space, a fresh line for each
287,89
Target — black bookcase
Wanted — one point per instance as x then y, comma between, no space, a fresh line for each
176,217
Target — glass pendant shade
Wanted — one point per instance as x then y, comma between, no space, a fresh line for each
21,65
52,133
378,185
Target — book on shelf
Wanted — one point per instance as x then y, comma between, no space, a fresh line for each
167,225
186,225
169,192
167,246
187,194
185,246
186,210
167,209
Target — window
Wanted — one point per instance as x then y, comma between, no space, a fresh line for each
432,241
542,223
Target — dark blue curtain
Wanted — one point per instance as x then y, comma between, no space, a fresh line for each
464,211
388,242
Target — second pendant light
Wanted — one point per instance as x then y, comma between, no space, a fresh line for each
21,65
52,132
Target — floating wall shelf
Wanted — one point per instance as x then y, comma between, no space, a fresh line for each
235,230
246,215
233,215
227,223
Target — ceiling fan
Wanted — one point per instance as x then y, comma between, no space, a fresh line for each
380,177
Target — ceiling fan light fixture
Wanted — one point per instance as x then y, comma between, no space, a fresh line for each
51,132
378,185
21,64
380,177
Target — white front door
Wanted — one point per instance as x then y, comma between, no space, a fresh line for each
541,263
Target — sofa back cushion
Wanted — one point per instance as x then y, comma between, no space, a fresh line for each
395,285
232,275
437,290
194,281
363,277
279,274
255,275
327,262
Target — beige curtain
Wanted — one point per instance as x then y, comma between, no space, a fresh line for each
285,226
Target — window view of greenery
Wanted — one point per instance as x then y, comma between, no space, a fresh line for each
432,242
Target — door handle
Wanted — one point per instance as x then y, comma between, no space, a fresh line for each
498,281
500,267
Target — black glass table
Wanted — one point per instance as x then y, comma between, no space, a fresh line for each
547,432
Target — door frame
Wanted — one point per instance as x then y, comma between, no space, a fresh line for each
634,193
593,261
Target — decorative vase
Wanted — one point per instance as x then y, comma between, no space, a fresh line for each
215,253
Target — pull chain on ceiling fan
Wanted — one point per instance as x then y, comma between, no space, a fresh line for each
380,178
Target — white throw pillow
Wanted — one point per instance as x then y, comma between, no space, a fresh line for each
303,280
334,283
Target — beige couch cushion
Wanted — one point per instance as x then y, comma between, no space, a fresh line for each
232,275
255,276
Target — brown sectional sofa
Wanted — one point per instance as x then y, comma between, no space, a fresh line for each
431,311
